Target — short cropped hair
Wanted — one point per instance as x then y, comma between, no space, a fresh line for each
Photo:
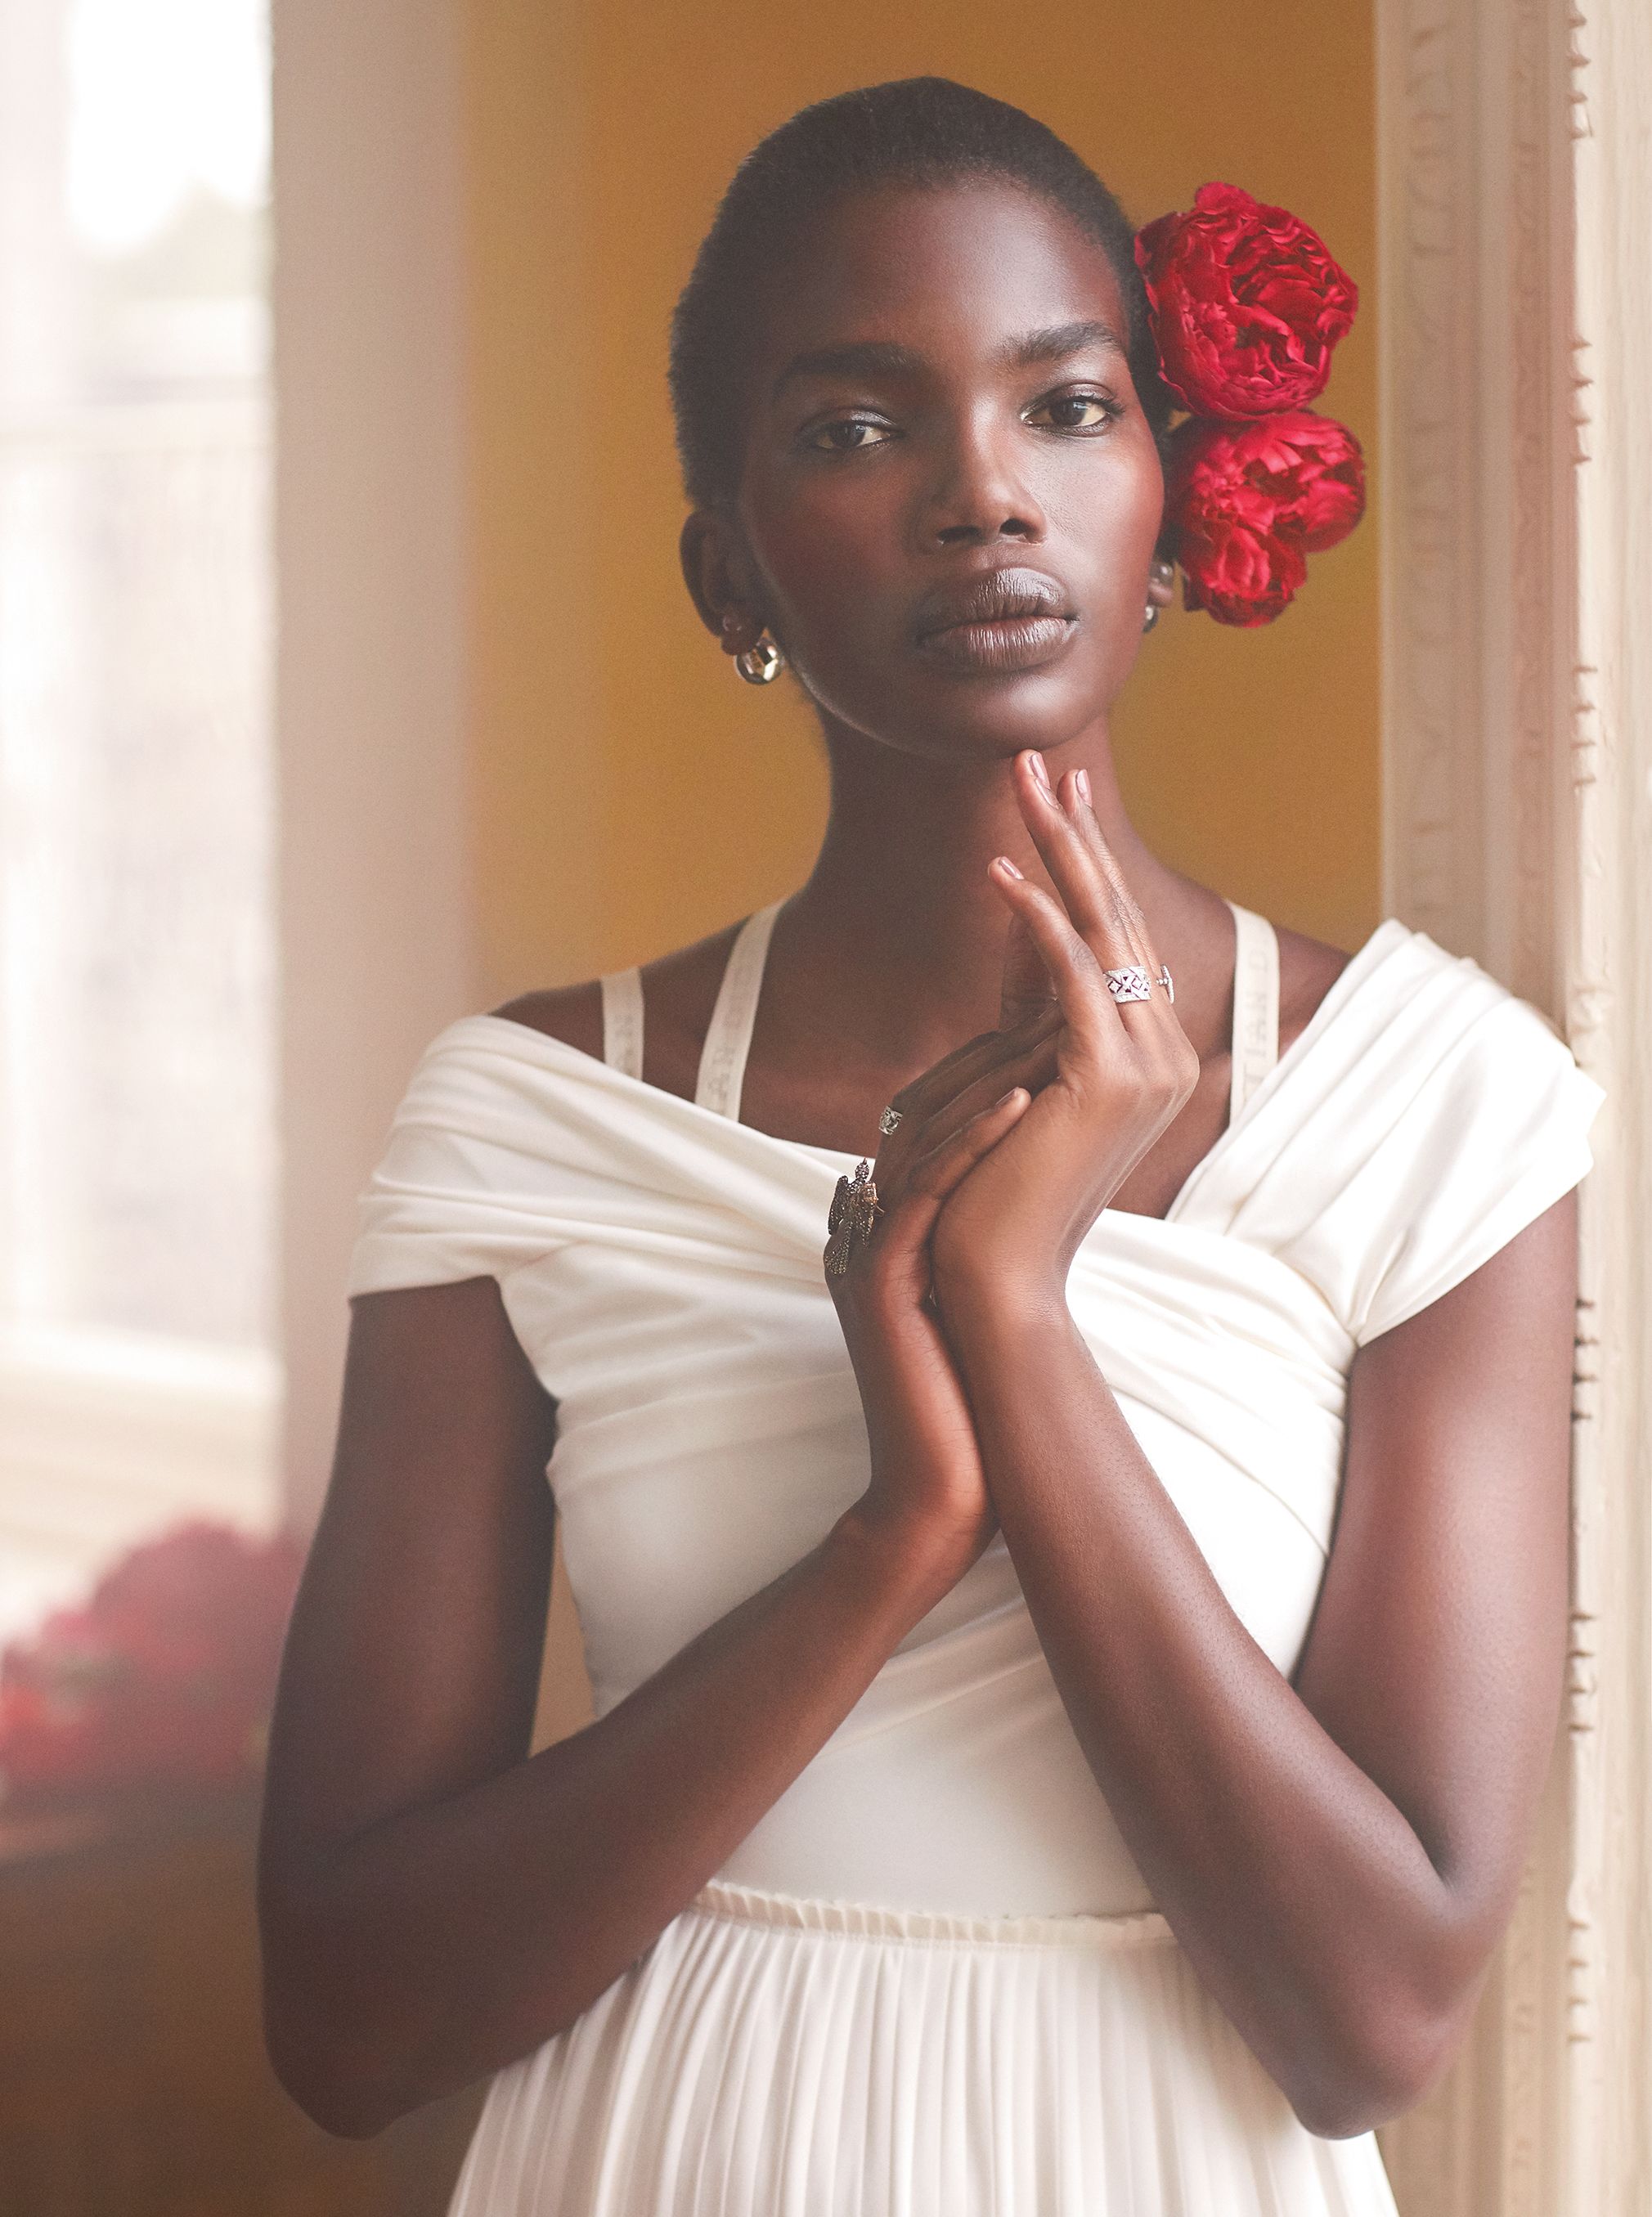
923,131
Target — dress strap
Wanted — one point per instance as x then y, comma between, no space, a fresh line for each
728,1035
1256,1005
622,1021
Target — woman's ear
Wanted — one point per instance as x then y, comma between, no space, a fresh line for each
714,571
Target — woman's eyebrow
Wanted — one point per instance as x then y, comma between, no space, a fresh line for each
886,357
856,358
1057,340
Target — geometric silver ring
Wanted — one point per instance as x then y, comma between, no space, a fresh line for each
888,1121
1130,983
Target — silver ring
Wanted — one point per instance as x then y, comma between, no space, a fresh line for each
855,1209
1164,979
1130,983
888,1121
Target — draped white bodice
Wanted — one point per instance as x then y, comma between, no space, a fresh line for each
660,1264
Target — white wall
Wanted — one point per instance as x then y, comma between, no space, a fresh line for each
369,311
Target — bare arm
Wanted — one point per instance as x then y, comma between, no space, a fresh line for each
433,1902
1338,1856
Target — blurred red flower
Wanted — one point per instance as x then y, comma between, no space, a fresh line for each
1246,304
164,1677
1247,502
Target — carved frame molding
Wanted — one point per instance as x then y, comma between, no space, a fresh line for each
1515,505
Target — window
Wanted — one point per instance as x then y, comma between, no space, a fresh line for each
138,1013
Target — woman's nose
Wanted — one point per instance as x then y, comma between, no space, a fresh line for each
979,492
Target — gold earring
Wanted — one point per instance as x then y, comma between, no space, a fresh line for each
762,661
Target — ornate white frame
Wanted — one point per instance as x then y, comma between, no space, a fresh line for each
1515,501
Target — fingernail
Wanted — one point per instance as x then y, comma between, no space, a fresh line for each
1004,864
1081,779
1005,1099
1038,769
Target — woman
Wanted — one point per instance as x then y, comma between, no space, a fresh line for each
1073,1674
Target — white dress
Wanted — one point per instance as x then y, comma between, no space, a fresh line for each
931,1982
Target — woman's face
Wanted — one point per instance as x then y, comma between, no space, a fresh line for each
951,495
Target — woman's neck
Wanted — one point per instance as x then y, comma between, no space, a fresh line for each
900,902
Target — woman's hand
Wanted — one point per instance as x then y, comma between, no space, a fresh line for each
928,1490
1122,1071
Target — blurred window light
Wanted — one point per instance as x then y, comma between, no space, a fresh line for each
138,1157
164,97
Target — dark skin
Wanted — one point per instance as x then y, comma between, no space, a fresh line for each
1338,1853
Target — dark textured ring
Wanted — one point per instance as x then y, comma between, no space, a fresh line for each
854,1211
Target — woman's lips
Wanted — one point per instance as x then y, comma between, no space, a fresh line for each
1000,643
1011,618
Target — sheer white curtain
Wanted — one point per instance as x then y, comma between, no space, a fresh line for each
138,1157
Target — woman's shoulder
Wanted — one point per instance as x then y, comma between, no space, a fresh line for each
1308,969
1406,1028
1400,969
572,1014
679,992
1395,968
503,1145
1430,1114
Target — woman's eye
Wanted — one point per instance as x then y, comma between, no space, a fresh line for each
849,435
1076,412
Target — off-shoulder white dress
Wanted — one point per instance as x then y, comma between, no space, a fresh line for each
932,1982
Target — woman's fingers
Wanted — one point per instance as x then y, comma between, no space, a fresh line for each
898,1245
1074,965
965,1065
1026,1061
945,1165
1025,993
1095,907
1086,871
1073,794
1074,866
1156,1026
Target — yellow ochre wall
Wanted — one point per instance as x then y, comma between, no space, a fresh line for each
629,794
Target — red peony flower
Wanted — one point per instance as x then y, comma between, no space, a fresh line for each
165,1676
1240,572
1247,502
1246,304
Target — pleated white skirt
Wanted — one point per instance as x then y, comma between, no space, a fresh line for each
774,2057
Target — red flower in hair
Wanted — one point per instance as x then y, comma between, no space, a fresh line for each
1246,304
1247,502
